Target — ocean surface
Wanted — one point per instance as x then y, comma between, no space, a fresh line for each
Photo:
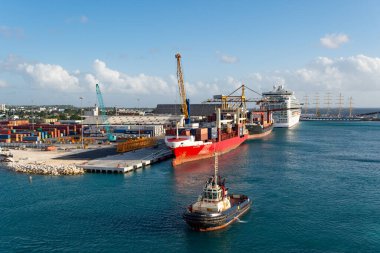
315,188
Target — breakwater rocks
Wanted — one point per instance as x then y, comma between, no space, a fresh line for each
42,168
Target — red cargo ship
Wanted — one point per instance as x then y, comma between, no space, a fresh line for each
200,143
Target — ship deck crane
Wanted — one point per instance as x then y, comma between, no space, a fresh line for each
185,102
103,114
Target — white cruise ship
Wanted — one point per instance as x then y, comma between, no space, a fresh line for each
286,108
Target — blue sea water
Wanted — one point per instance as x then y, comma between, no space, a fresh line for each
315,188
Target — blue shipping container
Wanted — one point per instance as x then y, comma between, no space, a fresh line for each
132,132
5,136
119,131
31,138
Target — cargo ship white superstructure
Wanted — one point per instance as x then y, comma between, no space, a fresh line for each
286,108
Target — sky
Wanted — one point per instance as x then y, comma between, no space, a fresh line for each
54,52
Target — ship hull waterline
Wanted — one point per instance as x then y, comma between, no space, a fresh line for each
254,134
293,121
195,153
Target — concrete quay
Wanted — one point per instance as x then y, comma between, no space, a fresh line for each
127,162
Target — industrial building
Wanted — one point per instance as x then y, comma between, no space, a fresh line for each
197,110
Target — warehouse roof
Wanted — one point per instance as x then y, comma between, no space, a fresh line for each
133,120
195,109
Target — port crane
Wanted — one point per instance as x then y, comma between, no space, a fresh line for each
233,101
185,102
103,114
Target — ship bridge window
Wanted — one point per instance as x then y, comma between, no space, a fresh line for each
212,194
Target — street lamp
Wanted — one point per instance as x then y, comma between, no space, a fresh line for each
138,113
32,115
81,109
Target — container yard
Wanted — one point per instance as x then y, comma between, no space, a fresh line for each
20,131
62,148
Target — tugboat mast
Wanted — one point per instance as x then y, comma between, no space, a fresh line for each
216,169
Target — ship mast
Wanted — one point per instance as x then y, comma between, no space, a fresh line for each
216,169
317,105
350,107
340,103
306,103
328,102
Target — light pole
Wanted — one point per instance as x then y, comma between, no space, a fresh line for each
138,113
32,116
81,113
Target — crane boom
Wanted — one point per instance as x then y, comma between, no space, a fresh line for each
103,114
185,103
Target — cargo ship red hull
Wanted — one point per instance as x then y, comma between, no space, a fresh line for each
207,150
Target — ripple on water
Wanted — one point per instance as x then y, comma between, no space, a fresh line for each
314,189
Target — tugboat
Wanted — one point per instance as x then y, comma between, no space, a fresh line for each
215,208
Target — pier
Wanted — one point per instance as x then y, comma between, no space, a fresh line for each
127,162
312,118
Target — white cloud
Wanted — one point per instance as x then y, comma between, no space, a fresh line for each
49,76
199,89
356,75
9,32
334,40
234,83
227,58
3,84
116,81
81,19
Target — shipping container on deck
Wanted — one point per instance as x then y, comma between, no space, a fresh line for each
184,132
212,133
193,131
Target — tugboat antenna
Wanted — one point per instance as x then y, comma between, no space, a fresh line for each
216,169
